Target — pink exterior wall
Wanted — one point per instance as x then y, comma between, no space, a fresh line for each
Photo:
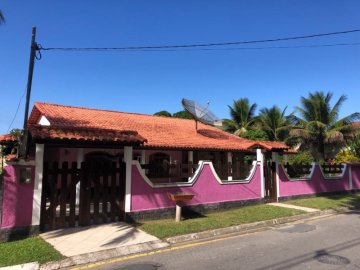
317,184
17,198
355,171
206,189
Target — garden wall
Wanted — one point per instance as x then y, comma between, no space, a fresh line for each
17,198
355,173
206,188
316,184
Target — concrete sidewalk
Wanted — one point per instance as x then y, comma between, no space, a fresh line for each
80,240
291,206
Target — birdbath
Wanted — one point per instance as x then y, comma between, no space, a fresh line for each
179,199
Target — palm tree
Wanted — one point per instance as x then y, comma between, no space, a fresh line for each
242,116
2,18
318,127
275,123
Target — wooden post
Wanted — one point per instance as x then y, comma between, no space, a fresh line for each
178,212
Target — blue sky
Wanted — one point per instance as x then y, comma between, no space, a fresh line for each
147,82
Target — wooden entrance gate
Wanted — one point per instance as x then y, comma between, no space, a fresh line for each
270,180
100,199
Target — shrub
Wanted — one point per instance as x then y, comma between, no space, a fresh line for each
301,158
346,156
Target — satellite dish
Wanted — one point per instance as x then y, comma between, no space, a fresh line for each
201,113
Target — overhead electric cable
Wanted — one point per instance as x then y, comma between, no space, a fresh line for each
199,45
230,49
16,112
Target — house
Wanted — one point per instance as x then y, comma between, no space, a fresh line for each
89,166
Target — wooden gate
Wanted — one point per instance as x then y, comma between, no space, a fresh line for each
270,180
102,192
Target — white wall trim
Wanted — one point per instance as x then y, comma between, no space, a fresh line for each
44,121
128,156
260,160
306,178
195,176
336,177
39,163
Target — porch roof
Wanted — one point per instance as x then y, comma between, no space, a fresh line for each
155,131
83,134
8,139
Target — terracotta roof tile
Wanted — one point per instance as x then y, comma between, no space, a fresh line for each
84,134
160,132
8,138
269,145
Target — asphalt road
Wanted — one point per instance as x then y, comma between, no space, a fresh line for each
326,243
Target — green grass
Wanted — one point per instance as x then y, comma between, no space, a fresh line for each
29,250
329,201
168,227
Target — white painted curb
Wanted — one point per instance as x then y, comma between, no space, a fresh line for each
25,266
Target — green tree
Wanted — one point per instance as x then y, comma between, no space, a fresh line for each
319,128
2,18
354,145
183,114
255,134
163,113
275,123
242,117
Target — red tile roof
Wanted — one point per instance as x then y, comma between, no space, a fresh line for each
271,145
84,134
160,132
7,138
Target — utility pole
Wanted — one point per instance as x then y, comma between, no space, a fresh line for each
24,139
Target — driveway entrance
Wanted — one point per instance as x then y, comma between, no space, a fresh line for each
81,240
100,198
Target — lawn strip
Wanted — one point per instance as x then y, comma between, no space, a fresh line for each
329,201
168,227
33,249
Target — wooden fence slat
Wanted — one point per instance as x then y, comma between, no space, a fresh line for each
113,192
95,179
53,195
63,194
44,219
105,191
84,209
72,201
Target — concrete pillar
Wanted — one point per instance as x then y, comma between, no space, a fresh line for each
191,156
80,159
143,157
260,159
128,156
275,158
350,177
190,162
39,164
229,160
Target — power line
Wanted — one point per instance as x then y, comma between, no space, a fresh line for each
200,45
233,49
17,110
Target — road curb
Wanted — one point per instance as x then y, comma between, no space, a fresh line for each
25,266
251,227
103,255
